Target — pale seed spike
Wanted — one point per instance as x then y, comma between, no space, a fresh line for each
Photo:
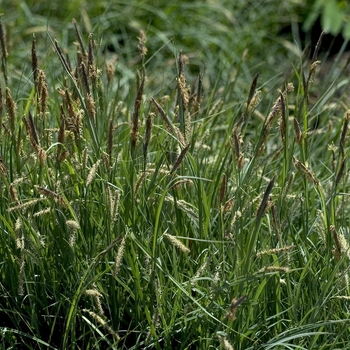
92,173
118,258
188,128
178,244
142,44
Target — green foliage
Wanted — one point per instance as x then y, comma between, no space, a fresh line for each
333,13
145,205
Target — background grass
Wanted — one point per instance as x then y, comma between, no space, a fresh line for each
91,226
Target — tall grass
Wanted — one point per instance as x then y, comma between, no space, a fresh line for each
170,215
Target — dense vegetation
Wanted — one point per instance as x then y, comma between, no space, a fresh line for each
171,177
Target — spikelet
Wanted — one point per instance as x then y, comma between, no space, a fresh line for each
274,113
174,241
142,44
170,126
225,343
298,133
95,295
14,193
188,128
18,226
235,303
183,88
102,323
91,61
90,104
114,200
282,269
92,173
50,194
110,70
179,159
84,78
42,91
309,175
276,250
253,96
25,205
73,226
337,252
119,257
42,212
199,272
275,220
62,154
21,276
155,322
181,183
3,170
32,132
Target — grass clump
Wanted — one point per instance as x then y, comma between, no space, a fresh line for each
167,217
